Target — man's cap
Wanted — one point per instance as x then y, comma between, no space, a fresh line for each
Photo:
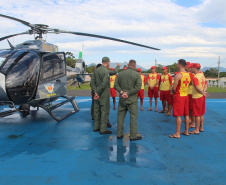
187,63
153,67
105,59
124,68
111,68
164,68
138,69
196,65
190,65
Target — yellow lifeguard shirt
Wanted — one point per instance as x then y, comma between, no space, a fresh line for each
112,81
143,79
183,84
165,82
200,80
152,78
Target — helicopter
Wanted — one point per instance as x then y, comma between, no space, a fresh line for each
33,73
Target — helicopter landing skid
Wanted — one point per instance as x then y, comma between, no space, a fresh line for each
8,113
50,108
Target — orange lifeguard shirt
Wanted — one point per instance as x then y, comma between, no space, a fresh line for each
143,79
165,82
190,87
199,80
152,78
183,84
112,81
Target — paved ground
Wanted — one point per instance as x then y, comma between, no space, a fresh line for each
38,150
88,93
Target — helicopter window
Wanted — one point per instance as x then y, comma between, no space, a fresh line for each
21,80
3,55
53,66
12,60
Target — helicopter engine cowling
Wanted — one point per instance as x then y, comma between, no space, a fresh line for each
80,69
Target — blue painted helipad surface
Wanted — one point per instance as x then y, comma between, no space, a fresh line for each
38,150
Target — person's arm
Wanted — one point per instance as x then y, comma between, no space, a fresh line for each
115,71
117,86
157,80
93,83
176,81
136,88
103,85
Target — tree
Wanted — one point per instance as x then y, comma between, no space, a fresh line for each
90,69
158,69
70,59
172,68
212,72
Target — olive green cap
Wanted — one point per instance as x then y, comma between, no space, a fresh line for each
105,59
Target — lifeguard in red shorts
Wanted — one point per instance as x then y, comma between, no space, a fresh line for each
165,82
199,95
190,87
153,83
112,90
180,102
170,98
141,91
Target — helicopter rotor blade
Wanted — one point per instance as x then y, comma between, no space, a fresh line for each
18,20
6,37
108,38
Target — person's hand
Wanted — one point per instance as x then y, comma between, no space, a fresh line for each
118,65
151,87
206,94
96,97
125,95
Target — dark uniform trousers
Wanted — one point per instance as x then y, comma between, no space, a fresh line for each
123,107
102,108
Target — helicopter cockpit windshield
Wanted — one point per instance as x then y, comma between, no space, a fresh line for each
22,72
3,55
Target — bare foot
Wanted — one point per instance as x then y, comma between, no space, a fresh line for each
141,109
185,133
191,126
193,132
174,136
156,110
150,109
163,111
114,108
167,114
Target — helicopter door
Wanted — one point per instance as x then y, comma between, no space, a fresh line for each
22,79
53,78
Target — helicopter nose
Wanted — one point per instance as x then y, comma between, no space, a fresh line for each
3,94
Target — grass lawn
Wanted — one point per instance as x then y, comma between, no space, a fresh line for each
216,89
82,87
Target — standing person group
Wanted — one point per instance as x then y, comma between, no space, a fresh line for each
127,83
130,85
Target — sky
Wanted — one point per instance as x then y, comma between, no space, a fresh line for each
190,29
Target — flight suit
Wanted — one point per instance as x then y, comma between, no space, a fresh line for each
100,83
128,81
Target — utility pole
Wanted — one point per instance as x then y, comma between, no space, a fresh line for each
219,72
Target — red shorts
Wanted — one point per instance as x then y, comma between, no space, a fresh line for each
153,92
140,94
113,92
190,101
180,105
170,99
199,105
164,95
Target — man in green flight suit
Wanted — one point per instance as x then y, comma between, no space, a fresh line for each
100,84
128,83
